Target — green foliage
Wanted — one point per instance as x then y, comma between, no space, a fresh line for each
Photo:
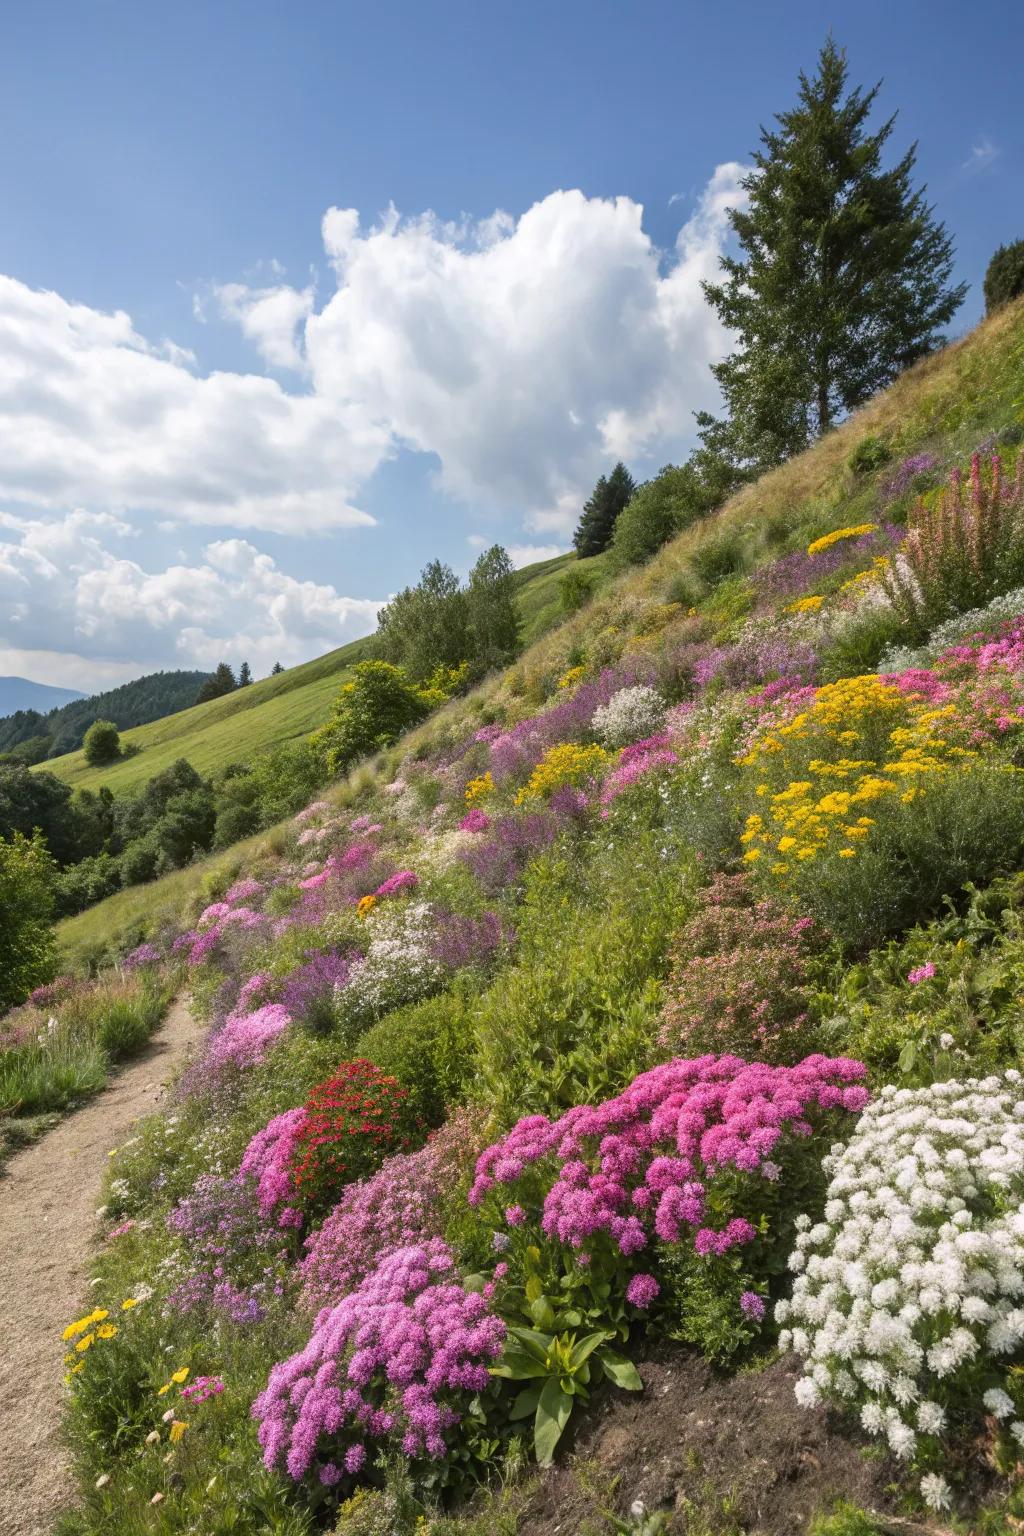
859,644
870,454
1004,276
575,588
28,952
592,940
102,743
822,332
601,511
370,712
491,610
430,1048
558,1369
846,1520
676,497
719,556
426,626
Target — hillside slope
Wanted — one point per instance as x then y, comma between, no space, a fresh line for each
278,709
624,1070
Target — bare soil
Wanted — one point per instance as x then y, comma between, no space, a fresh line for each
48,1202
714,1454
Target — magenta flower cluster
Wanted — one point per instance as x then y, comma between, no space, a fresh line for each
202,1389
635,762
475,820
145,954
267,1161
642,1165
402,880
391,1362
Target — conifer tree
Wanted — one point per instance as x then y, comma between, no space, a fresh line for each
601,510
276,669
222,682
842,280
244,675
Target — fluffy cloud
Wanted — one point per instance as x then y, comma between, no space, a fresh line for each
93,415
65,595
524,354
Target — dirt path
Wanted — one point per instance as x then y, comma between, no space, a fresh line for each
48,1203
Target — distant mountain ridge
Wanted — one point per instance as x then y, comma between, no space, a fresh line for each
35,733
22,693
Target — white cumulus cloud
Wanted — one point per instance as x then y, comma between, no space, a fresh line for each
64,593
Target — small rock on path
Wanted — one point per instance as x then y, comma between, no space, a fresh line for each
48,1202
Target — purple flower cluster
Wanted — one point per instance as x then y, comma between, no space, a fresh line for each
515,752
234,1254
389,1361
643,1164
267,1161
145,954
900,483
322,975
475,820
246,1037
459,940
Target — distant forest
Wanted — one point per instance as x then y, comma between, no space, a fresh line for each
32,736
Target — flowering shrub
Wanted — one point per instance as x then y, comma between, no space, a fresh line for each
310,992
402,880
562,764
231,1255
907,1299
698,1157
349,1123
145,954
397,1361
267,1160
838,534
460,940
399,1205
246,1038
961,551
629,715
635,763
739,981
475,821
399,966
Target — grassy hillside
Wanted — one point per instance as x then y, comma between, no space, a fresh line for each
696,940
948,403
279,709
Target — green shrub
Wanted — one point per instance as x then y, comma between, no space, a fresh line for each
660,509
721,555
370,712
870,454
102,743
846,1520
575,588
1004,277
860,645
430,1048
28,953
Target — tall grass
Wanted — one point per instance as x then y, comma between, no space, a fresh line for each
56,1059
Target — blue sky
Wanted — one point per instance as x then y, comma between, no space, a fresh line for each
230,428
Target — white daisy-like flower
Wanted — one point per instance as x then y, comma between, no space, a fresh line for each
935,1491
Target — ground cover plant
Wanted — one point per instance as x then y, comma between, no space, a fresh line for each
662,993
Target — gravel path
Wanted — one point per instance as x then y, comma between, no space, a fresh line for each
48,1203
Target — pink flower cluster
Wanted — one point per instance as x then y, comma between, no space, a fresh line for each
475,820
635,762
243,890
402,880
921,973
643,1164
246,1037
390,1361
399,1205
267,1160
203,1388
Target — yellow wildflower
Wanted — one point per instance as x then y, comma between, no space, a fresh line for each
83,1343
804,605
180,1376
178,1428
828,539
572,676
128,1303
479,788
365,906
107,1331
847,853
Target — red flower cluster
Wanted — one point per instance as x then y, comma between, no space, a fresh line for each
353,1120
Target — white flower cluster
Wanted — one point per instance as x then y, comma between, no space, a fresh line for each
630,715
1009,606
907,1301
398,967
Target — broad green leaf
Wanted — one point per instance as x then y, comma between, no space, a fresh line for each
525,1403
542,1313
621,1371
586,1346
553,1411
534,1288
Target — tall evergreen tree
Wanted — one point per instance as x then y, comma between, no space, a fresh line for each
843,279
276,669
223,681
244,675
601,510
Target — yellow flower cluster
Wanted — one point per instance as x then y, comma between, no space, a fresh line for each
804,605
365,905
571,678
86,1331
879,564
565,763
178,1378
479,789
828,539
902,741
